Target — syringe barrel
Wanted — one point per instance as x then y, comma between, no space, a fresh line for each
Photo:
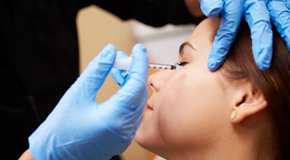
123,63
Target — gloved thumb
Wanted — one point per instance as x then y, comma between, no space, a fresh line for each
211,8
93,77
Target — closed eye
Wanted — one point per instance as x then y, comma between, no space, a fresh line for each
181,63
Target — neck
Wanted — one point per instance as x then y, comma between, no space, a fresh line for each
240,144
227,150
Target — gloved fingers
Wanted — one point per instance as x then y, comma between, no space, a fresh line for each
230,20
124,121
120,76
258,18
135,87
280,14
126,106
95,74
122,113
211,8
131,125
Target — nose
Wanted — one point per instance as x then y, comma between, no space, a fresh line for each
157,80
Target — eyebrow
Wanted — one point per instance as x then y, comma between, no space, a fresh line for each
181,48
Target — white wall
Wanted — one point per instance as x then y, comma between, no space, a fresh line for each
162,43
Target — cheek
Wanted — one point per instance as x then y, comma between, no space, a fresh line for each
171,125
175,111
151,132
187,111
148,135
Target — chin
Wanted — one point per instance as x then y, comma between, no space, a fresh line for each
152,142
140,138
143,139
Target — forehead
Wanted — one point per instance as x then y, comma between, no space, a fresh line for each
204,33
201,40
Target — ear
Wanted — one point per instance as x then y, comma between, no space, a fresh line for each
248,100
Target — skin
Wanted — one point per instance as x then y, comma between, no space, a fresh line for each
26,155
188,114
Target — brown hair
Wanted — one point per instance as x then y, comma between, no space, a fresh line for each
273,83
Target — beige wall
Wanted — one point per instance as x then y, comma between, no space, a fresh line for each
97,28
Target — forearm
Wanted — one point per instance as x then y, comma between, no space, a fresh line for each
27,155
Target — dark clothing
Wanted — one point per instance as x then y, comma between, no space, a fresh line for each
39,56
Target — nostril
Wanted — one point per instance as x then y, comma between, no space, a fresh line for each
151,85
155,82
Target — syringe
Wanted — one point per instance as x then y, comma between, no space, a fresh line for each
125,63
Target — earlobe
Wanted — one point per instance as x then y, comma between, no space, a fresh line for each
250,102
234,114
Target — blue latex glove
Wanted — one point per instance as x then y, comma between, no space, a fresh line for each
120,76
232,11
280,15
79,128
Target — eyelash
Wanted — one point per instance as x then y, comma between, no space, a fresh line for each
181,63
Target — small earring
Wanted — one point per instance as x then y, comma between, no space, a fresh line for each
234,114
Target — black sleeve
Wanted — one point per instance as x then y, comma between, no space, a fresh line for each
151,12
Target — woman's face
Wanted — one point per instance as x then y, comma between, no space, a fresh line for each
188,108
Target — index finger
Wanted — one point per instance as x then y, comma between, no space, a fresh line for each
230,21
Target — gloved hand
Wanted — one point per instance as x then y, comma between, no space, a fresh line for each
79,128
231,11
120,76
280,15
